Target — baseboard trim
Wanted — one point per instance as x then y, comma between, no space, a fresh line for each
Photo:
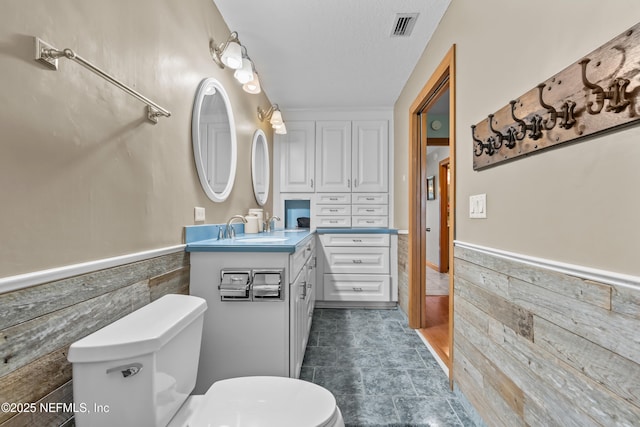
21,281
357,304
588,273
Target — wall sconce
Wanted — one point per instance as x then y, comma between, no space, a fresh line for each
274,116
228,53
233,54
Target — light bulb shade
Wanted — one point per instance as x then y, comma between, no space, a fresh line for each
244,74
252,86
232,56
281,130
276,118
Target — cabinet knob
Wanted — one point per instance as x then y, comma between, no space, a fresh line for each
312,183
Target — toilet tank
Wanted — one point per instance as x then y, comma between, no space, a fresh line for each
138,370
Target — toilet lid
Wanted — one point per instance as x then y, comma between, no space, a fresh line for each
265,401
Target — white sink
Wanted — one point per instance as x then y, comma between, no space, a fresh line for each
262,239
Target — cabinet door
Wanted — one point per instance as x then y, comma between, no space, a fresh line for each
333,156
370,164
297,324
297,151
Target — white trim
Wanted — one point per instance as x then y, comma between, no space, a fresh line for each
13,283
596,275
403,231
433,353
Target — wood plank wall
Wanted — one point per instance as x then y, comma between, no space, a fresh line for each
533,347
403,272
38,324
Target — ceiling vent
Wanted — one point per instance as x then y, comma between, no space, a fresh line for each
403,24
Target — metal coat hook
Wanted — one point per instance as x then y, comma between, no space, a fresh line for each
496,144
617,93
510,136
595,89
479,145
549,123
535,126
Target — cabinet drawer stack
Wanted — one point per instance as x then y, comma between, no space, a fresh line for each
356,267
370,210
333,210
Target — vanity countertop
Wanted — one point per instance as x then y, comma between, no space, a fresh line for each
274,241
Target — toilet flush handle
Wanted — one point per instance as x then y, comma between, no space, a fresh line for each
127,370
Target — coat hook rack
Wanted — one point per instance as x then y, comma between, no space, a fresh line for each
593,96
48,56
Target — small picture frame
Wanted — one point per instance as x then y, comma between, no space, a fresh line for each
431,187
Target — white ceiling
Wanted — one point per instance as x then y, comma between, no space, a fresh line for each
331,54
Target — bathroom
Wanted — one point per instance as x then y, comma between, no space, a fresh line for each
96,198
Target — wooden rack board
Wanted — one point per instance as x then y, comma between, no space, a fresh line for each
593,95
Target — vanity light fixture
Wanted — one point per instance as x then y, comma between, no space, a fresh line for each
233,54
274,116
228,53
244,74
253,86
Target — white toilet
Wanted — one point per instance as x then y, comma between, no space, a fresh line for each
140,370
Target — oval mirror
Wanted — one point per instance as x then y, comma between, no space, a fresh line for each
213,133
260,167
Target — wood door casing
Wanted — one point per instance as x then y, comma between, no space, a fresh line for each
443,77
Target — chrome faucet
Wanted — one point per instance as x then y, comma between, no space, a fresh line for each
270,225
231,232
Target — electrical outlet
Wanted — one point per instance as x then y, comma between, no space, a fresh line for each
198,214
478,206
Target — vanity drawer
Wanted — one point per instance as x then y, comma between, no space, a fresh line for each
333,198
368,210
356,287
299,257
333,210
370,199
369,221
355,240
367,260
333,221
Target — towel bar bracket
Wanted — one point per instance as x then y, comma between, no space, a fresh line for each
43,54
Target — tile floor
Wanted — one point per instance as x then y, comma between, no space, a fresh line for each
379,370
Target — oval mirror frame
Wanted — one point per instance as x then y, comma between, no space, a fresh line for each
209,87
260,167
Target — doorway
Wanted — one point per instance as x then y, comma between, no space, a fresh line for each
440,313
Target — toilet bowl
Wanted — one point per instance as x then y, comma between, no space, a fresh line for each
140,370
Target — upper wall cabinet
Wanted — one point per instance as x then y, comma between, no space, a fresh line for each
370,156
352,156
297,160
333,156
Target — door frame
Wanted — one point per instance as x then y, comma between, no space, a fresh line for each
445,213
444,76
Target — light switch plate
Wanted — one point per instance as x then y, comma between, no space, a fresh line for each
478,206
198,214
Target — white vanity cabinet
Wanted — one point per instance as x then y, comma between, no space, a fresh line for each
358,267
254,335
